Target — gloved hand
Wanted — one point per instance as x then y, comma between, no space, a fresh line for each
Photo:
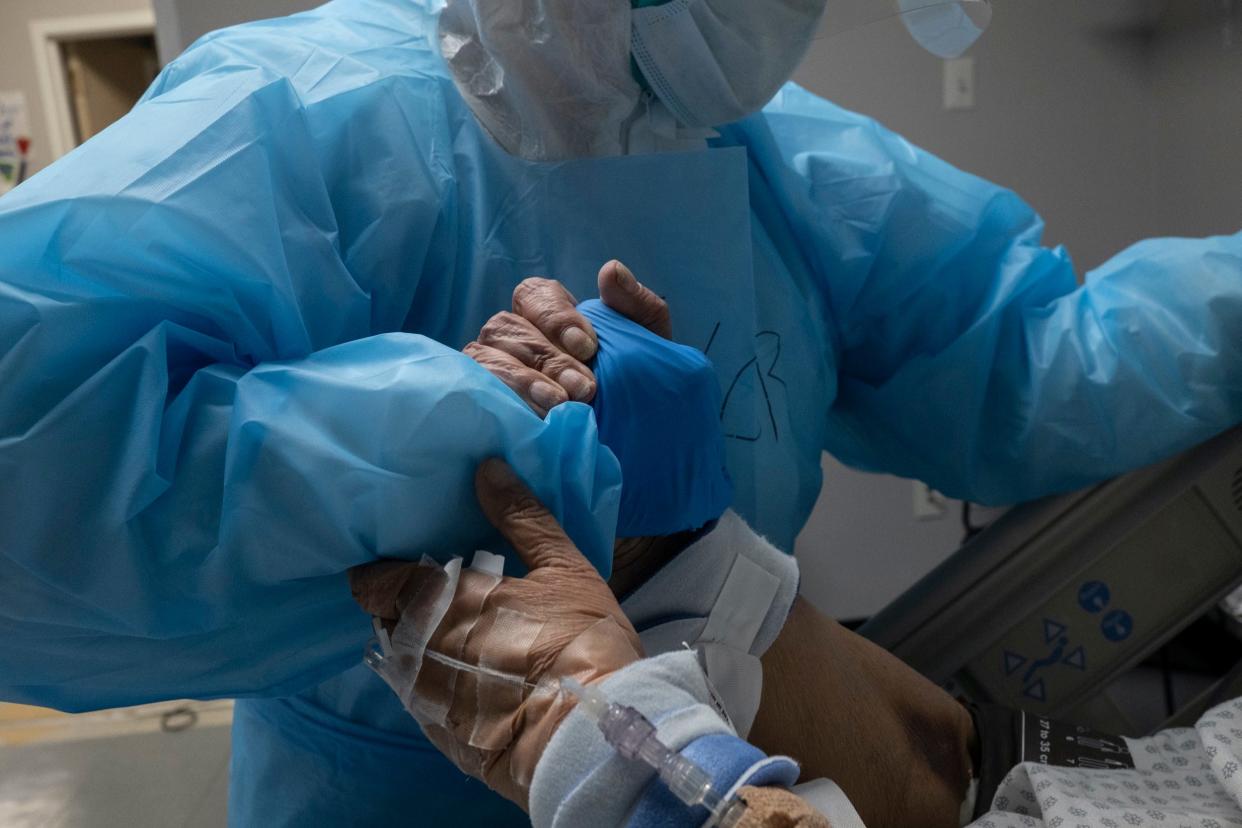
541,348
558,621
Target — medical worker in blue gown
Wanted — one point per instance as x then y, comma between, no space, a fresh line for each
229,330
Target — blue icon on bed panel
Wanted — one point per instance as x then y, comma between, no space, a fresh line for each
1014,662
1077,659
1052,630
1117,626
1037,691
1093,596
1033,671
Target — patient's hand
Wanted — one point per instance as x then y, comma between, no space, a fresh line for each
898,745
540,348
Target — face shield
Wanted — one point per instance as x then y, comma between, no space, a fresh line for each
559,79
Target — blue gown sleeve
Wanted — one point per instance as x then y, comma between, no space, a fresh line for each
969,356
207,411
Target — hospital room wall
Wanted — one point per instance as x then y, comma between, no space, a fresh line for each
180,22
1113,134
17,60
1198,95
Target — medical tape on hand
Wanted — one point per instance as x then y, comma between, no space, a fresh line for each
422,611
474,587
511,636
423,608
469,760
421,616
488,563
596,653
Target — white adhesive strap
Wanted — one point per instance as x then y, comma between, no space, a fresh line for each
414,631
488,563
731,573
403,652
729,593
726,641
382,637
967,814
736,681
742,605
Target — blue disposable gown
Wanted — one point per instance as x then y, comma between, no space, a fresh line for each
220,385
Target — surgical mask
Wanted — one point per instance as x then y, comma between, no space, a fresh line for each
946,28
712,62
553,79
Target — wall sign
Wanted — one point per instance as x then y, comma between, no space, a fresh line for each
14,140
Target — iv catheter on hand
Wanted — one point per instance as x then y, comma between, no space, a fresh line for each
633,736
624,728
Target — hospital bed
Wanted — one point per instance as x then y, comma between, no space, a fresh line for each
1050,605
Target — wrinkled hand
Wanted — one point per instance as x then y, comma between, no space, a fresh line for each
540,348
559,620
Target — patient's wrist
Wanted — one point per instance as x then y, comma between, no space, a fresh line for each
851,712
636,560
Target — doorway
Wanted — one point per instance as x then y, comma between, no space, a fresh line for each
92,70
106,77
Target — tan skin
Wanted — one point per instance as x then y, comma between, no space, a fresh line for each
898,745
848,711
580,633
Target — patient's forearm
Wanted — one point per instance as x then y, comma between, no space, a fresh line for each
847,710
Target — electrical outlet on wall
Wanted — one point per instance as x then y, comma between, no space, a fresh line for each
929,504
959,83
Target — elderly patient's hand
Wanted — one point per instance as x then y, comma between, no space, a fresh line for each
541,348
558,621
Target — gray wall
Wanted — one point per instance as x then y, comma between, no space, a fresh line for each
1113,130
863,547
1198,129
181,22
17,64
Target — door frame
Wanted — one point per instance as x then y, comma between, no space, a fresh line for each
46,37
